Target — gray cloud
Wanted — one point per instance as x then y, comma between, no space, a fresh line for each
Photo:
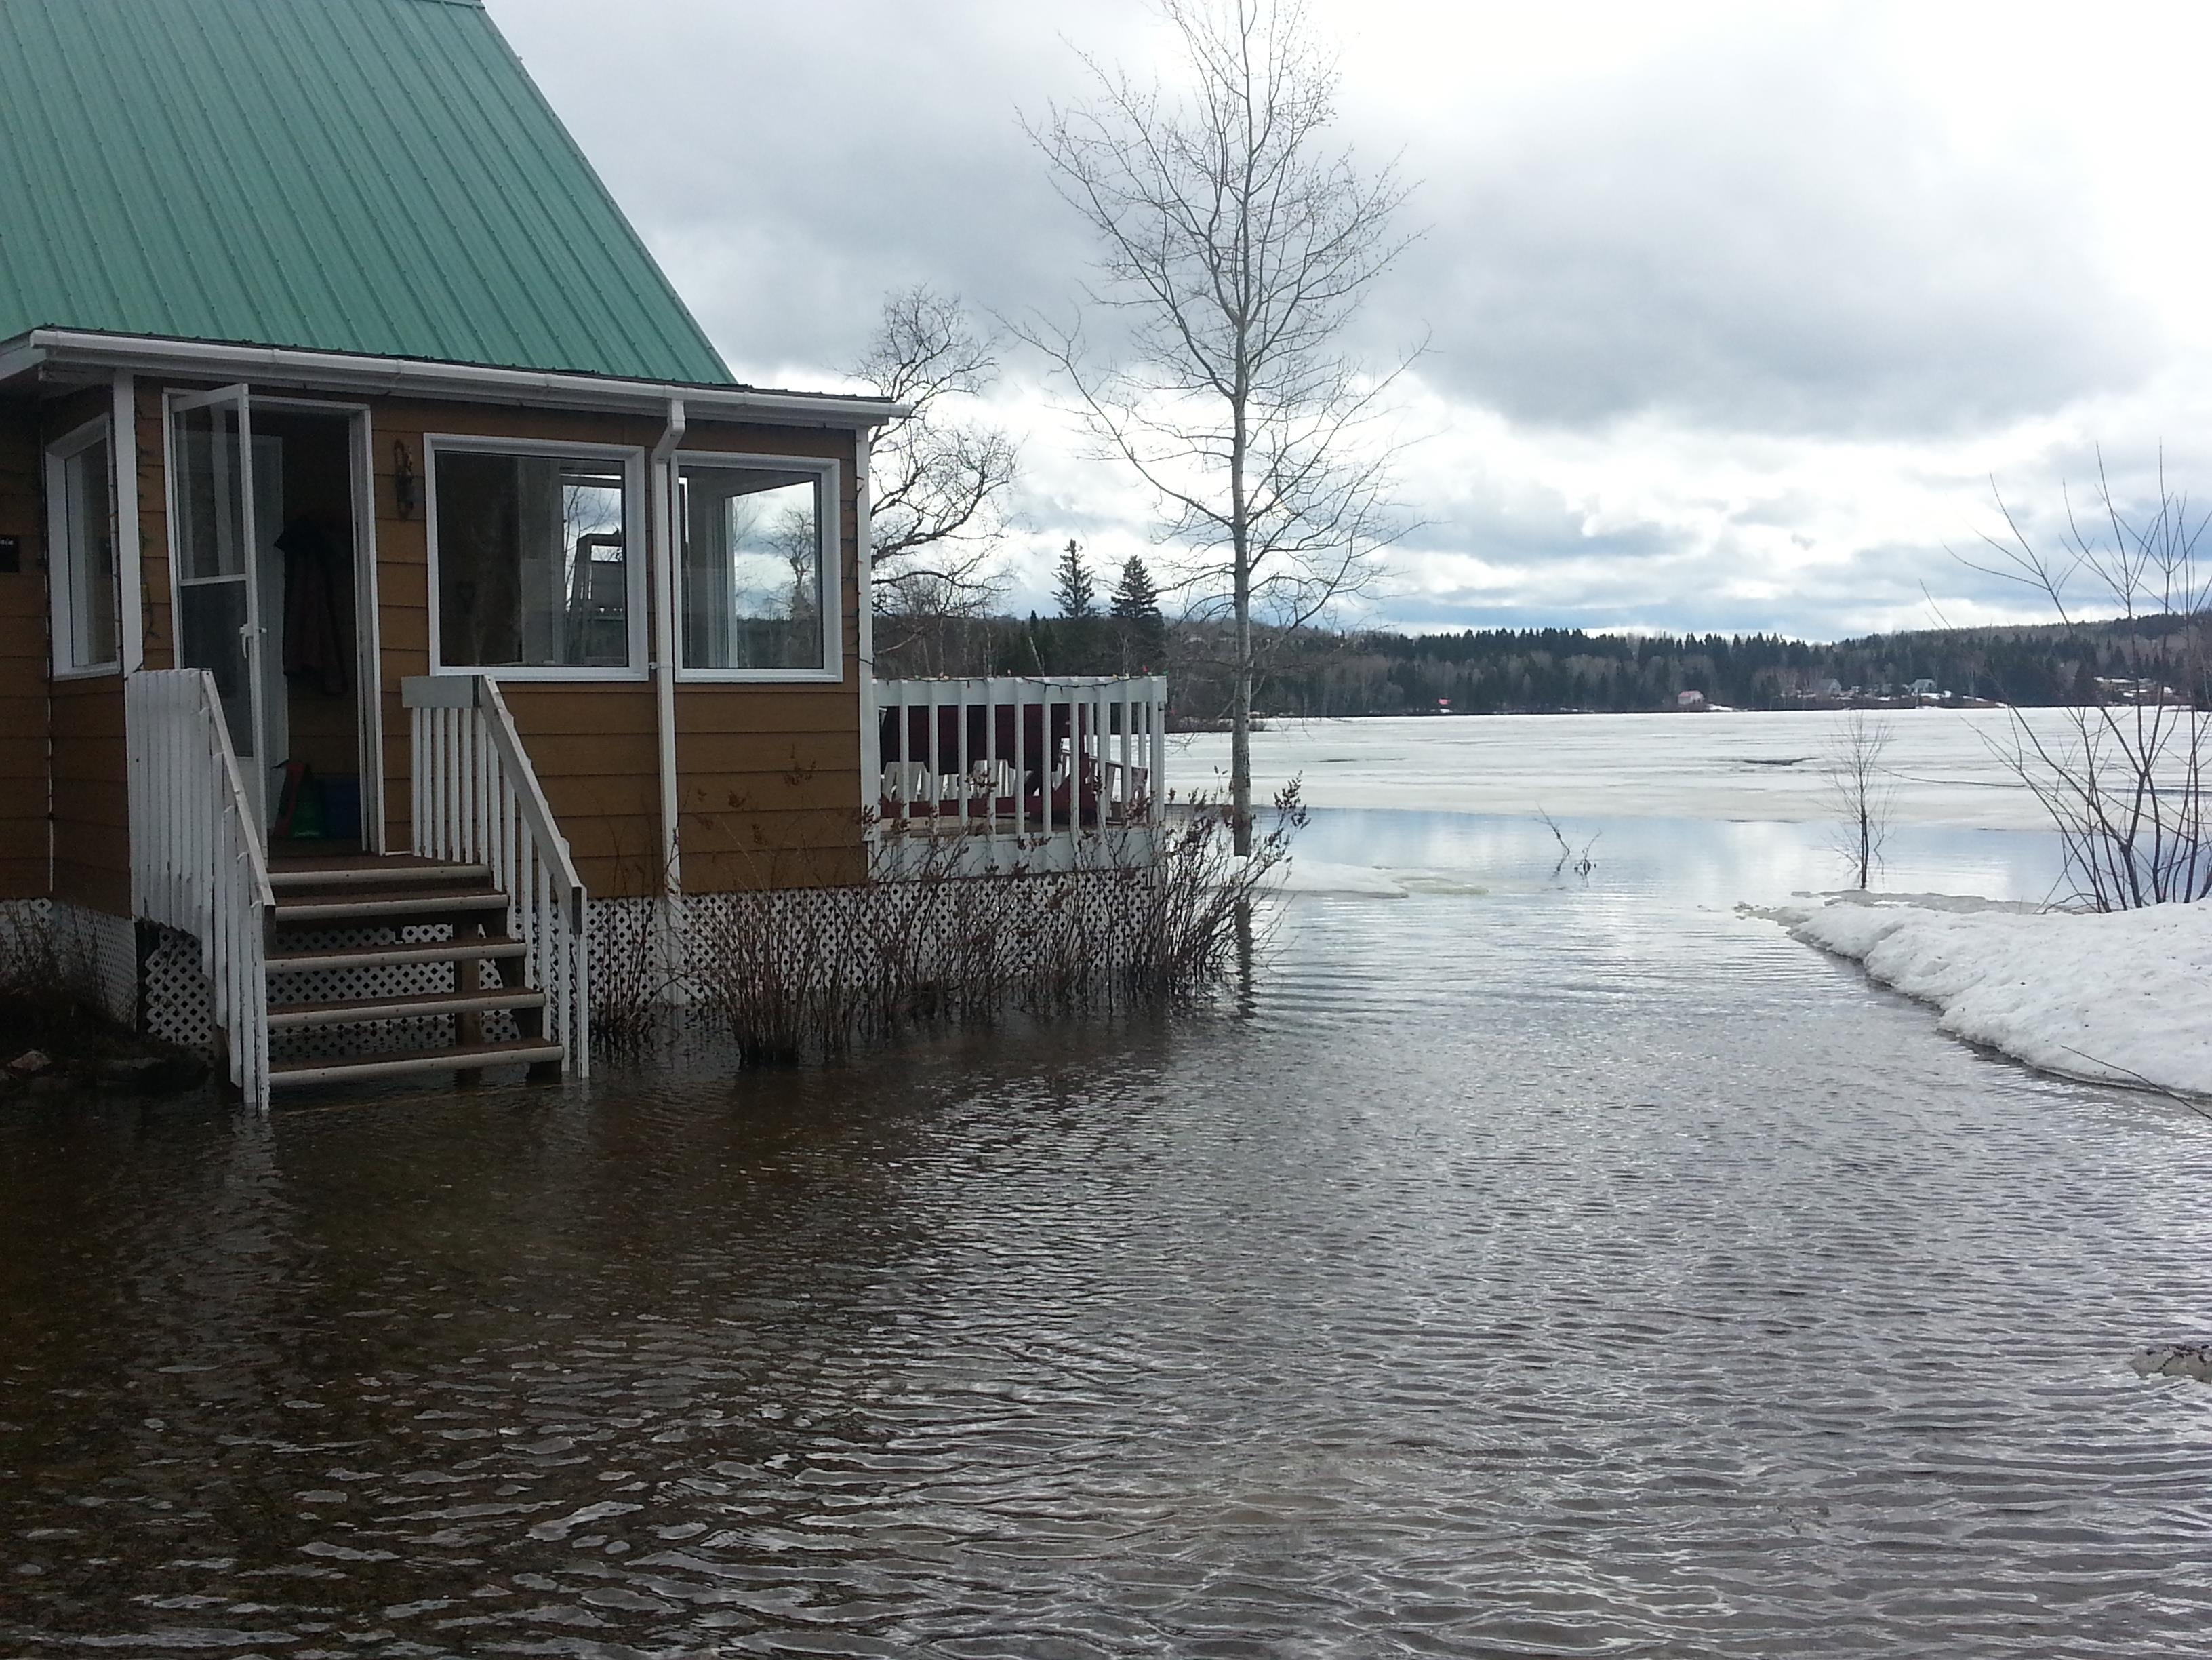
791,165
1765,237
1746,287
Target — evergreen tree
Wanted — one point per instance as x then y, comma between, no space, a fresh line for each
1077,593
1139,630
1134,598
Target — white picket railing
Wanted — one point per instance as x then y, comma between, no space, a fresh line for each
476,798
198,864
1068,755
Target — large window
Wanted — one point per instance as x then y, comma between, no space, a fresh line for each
81,564
759,570
537,566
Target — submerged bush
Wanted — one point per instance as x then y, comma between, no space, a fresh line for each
797,974
50,996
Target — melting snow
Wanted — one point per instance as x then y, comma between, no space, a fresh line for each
2115,998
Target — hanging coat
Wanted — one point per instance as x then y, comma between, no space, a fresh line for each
314,637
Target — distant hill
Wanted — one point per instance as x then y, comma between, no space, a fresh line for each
1548,671
1495,671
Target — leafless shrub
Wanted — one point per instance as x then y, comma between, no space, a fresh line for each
2124,782
50,990
792,975
1570,858
1860,794
770,974
630,980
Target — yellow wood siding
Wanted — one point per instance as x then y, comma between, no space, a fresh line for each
24,869
767,775
92,812
90,762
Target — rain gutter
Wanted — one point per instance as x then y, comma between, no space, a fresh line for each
403,376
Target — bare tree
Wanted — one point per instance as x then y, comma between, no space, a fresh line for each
938,483
1236,243
1860,794
2126,779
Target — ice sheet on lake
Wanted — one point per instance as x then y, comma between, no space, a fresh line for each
1299,874
1945,765
2117,998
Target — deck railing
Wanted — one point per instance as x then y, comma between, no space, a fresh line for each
1059,757
476,798
197,860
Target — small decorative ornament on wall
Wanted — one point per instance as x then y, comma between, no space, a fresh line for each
406,485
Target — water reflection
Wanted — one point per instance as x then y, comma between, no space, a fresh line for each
1697,861
1551,1268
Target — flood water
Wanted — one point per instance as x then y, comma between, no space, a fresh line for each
1539,1264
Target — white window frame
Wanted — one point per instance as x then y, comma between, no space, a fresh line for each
832,671
59,454
636,553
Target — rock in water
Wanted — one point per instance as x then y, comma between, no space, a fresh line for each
2176,1360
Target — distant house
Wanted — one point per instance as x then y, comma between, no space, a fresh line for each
1923,689
399,597
1689,700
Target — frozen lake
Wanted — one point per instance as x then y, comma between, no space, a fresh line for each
1947,764
1536,1265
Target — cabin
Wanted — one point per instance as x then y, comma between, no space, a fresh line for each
400,600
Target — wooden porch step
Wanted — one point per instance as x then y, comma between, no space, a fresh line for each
456,1057
359,1011
372,907
396,871
496,947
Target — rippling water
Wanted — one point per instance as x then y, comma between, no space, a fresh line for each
1562,1267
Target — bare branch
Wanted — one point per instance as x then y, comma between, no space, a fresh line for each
940,484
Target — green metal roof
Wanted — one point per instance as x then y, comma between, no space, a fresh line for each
375,176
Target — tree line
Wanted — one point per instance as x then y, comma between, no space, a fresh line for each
1549,670
1319,673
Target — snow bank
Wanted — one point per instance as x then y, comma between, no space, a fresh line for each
1299,874
2115,998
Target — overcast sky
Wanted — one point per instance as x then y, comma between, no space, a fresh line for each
1734,310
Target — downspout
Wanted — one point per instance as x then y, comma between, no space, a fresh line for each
665,529
123,450
864,624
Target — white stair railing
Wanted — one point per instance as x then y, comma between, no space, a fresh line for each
197,860
476,798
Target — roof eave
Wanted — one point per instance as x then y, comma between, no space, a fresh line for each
422,378
19,356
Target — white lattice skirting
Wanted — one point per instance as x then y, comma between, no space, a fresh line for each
1020,925
179,1006
635,960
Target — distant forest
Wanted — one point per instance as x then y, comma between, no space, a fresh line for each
1550,671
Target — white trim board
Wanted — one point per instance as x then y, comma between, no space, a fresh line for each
61,617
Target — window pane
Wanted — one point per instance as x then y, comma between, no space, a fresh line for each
533,568
89,560
752,568
210,509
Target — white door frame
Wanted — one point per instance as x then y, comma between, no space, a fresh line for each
369,660
251,633
369,679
